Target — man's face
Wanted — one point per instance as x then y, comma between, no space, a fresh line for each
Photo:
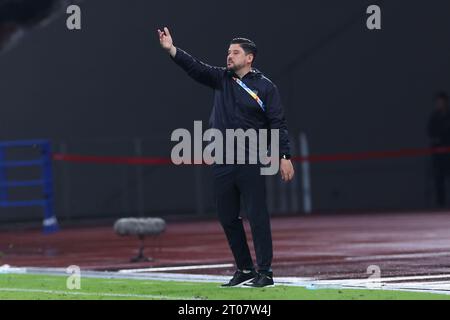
237,59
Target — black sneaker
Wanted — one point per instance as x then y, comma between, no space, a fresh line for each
264,279
240,277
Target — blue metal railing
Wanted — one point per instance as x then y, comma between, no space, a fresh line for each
50,223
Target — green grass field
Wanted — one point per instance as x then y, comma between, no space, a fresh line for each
37,287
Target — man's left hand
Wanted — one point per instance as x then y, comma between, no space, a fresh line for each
287,170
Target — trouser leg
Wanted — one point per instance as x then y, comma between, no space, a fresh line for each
228,208
252,186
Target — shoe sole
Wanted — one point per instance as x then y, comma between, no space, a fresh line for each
269,286
240,285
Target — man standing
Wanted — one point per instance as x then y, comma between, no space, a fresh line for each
439,133
243,99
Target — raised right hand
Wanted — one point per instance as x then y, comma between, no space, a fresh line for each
165,39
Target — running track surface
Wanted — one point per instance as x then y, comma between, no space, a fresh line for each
319,246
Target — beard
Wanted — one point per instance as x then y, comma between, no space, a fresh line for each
235,67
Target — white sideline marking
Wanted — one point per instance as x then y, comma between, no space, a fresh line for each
72,293
399,256
423,286
387,279
439,285
205,266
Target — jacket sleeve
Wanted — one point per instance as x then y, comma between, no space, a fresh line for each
275,115
199,71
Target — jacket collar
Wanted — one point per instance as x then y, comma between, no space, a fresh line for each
252,74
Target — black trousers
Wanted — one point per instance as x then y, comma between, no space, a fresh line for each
231,182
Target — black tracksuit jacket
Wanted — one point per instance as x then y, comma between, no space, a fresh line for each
233,107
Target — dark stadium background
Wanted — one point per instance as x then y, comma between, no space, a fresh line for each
97,90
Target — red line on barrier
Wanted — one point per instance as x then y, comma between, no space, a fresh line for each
373,155
314,158
111,160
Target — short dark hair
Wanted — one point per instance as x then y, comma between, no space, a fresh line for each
248,45
441,95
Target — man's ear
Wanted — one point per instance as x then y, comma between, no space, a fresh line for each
251,58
